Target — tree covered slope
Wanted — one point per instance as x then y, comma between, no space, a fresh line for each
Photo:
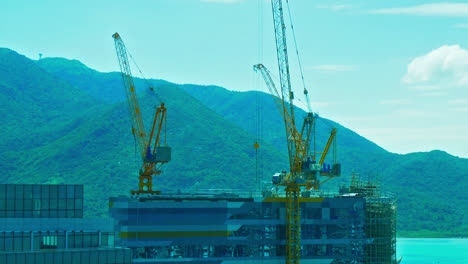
64,122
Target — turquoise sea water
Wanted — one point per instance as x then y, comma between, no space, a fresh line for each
433,250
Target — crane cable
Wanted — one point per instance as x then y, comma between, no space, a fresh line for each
258,103
259,115
306,93
139,70
150,86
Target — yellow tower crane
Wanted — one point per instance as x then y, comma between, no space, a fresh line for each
304,170
154,151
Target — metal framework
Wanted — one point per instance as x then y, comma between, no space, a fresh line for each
298,142
153,155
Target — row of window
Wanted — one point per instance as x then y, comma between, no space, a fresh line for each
101,256
27,241
42,214
41,208
306,212
40,191
41,204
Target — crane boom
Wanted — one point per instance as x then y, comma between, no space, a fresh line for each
295,138
282,54
285,78
138,128
327,146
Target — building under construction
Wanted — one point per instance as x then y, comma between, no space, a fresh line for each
356,225
291,220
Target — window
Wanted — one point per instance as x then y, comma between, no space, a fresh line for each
18,241
2,191
27,191
79,191
28,204
8,241
53,204
2,241
110,240
36,204
62,192
53,192
70,204
78,204
19,205
45,191
10,191
19,192
26,241
78,240
49,242
36,191
70,191
45,204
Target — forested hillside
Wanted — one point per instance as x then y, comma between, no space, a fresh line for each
64,122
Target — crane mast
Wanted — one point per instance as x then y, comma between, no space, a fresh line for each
153,155
292,189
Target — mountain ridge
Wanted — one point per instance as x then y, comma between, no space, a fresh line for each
423,181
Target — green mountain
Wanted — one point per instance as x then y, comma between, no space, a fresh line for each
246,108
33,112
211,130
99,151
429,186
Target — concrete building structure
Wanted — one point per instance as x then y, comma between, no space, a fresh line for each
45,224
235,227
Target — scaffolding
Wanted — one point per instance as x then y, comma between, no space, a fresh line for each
381,228
380,225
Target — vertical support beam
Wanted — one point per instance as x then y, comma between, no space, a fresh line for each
99,238
32,240
66,239
293,225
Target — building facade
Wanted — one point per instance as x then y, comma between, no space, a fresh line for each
236,228
45,224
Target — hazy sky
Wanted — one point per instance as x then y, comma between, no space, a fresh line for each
395,72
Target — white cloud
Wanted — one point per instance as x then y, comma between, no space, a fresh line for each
320,104
462,101
402,101
416,114
445,66
460,109
344,119
433,94
435,9
334,67
424,87
221,1
334,7
461,25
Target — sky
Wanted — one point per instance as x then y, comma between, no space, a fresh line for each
395,72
